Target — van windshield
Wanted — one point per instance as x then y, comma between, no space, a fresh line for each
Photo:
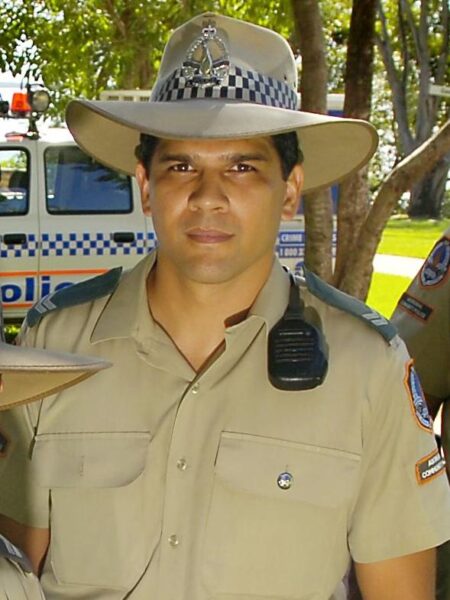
76,183
14,182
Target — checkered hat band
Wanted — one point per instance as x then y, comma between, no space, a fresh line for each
238,84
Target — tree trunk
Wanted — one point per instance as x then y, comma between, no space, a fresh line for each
318,211
313,89
353,204
427,197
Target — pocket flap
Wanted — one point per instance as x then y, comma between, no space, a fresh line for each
286,470
99,459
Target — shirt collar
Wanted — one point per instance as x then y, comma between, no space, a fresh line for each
273,298
127,310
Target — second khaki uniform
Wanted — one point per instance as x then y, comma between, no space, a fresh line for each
159,482
423,321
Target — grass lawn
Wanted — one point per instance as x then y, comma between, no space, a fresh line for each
385,290
408,237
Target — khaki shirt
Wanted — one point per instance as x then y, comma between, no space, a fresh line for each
17,582
161,483
422,318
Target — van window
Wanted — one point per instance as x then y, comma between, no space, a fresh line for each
76,183
14,182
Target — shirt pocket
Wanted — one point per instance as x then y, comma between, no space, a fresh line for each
96,505
277,523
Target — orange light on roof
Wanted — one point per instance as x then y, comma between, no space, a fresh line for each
20,103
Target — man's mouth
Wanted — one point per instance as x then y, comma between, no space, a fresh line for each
208,236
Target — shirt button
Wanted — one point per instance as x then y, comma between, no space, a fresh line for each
182,464
174,541
285,480
196,388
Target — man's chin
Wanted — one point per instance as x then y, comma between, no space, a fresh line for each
212,272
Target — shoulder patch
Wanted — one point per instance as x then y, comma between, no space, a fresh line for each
417,400
437,266
11,552
334,297
79,293
429,467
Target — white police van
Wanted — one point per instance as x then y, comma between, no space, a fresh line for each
64,217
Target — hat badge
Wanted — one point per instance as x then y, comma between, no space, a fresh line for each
207,60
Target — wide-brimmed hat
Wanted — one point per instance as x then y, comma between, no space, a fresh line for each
30,374
224,78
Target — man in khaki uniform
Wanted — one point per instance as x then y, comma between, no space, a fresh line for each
25,375
422,318
220,458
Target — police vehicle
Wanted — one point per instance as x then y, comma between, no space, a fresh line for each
63,216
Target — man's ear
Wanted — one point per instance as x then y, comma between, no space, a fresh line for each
143,183
294,186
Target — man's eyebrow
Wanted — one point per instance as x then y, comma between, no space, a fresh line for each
243,157
172,157
234,157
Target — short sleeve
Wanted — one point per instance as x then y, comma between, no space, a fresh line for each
403,501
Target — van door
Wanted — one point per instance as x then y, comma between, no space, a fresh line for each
19,228
90,218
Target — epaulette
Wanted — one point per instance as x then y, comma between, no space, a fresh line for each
79,293
334,297
11,552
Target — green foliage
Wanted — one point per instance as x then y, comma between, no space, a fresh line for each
11,331
80,47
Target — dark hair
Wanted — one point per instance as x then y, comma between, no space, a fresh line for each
286,144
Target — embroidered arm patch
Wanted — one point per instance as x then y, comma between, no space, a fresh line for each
437,265
415,307
417,400
429,467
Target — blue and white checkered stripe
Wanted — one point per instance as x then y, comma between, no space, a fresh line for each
238,84
29,249
78,244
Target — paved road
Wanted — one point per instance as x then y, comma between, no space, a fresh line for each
397,265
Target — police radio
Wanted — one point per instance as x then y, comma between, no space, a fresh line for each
297,351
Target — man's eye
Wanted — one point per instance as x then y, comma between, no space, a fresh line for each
243,168
181,167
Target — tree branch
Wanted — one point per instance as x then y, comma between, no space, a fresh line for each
406,174
398,91
403,46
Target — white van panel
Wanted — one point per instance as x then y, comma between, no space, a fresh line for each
19,241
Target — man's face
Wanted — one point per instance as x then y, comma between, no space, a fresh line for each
216,206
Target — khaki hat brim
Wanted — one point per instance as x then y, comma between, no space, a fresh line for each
333,147
30,374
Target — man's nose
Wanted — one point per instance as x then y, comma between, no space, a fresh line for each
208,193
